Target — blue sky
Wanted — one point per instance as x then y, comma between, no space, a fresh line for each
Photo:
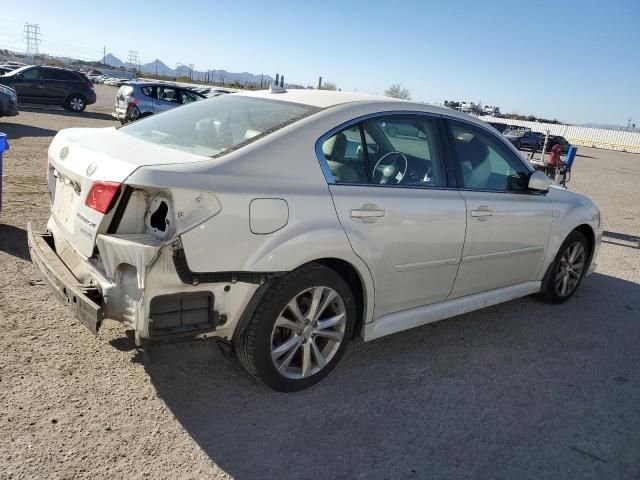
577,60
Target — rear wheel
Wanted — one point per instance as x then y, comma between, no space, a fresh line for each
300,330
567,270
76,103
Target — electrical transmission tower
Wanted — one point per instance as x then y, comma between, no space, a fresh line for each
31,39
133,59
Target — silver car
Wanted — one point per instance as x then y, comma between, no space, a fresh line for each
285,224
136,100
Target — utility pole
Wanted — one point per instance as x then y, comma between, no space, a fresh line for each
31,34
191,65
104,56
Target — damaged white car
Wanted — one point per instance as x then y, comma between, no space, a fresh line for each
284,224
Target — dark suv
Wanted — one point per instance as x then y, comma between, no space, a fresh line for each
51,85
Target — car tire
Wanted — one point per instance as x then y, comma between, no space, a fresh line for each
567,270
76,103
291,350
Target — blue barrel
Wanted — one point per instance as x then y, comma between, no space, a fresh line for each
571,156
4,146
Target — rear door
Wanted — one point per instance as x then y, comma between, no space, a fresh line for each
388,181
508,226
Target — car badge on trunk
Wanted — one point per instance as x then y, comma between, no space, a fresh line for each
91,169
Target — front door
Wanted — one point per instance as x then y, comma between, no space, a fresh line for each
508,226
54,85
28,85
390,192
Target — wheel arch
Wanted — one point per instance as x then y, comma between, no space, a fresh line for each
588,232
361,286
350,275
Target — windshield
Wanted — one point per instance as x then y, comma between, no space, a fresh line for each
514,133
213,126
18,70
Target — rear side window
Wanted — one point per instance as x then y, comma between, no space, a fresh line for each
217,125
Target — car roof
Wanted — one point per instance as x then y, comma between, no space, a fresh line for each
329,98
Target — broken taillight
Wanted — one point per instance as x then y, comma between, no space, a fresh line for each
102,196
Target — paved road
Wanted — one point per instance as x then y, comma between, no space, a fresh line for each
521,390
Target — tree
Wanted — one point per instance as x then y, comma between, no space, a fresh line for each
398,91
328,86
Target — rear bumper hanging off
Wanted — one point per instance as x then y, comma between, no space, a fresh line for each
82,300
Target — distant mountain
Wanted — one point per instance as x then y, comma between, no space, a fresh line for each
112,60
161,68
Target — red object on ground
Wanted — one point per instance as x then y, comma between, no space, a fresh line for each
554,157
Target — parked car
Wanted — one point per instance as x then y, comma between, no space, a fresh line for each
8,102
558,140
140,99
501,127
261,220
523,139
51,85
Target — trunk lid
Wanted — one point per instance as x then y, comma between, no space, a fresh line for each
78,158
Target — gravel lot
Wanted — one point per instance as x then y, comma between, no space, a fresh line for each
521,390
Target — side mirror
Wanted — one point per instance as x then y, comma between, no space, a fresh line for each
19,76
539,182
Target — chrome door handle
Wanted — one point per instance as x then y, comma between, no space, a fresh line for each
367,213
482,211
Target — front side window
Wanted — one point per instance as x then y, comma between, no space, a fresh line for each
188,97
216,125
33,74
390,150
485,162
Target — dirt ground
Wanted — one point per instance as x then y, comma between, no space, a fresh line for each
520,390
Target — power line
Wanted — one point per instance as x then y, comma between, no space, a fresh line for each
32,42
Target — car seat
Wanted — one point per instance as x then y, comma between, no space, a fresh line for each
334,150
474,158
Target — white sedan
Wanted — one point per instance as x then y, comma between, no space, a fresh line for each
285,224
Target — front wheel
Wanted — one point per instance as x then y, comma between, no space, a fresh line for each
567,270
76,103
300,330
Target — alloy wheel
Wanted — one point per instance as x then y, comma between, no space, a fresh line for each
76,104
308,332
570,269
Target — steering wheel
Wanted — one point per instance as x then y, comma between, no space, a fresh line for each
390,171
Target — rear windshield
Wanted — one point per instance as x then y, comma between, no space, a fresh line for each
126,90
214,126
